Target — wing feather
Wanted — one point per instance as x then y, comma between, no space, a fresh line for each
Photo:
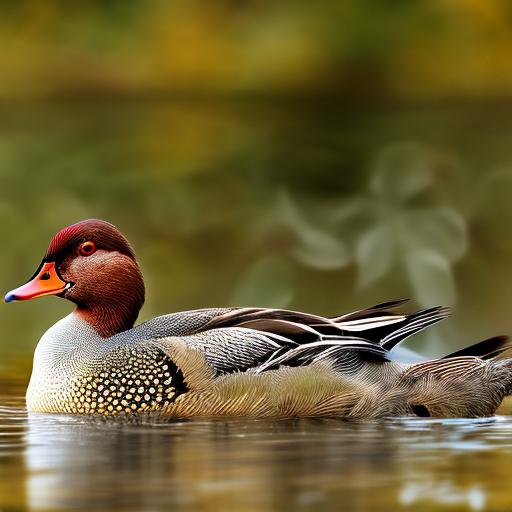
239,339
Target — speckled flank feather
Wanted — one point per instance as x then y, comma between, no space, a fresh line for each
142,383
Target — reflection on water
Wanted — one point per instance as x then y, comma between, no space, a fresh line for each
399,464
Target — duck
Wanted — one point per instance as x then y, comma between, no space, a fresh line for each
234,361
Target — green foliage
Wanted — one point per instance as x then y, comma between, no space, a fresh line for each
230,203
400,49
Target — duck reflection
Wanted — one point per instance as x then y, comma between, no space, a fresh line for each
257,465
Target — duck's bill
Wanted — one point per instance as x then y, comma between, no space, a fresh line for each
46,281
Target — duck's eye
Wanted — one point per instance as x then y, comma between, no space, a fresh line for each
87,248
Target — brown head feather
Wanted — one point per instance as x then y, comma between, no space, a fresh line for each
102,233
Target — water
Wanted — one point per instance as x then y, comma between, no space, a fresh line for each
53,462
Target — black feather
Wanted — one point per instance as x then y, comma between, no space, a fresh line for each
486,349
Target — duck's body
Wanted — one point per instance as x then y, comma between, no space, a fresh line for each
182,365
233,361
198,354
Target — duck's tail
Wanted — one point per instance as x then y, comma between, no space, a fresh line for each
505,366
468,383
486,349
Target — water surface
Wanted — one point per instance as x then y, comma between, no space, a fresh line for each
57,462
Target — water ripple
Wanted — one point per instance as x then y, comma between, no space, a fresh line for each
396,463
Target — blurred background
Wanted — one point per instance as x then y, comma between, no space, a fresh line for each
321,156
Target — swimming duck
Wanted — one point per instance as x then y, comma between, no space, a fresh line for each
233,361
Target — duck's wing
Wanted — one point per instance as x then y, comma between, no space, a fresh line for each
380,324
239,349
239,339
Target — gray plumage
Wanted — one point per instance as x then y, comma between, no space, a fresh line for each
217,362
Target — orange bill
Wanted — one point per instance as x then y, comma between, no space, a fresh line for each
45,282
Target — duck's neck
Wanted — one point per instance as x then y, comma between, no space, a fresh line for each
109,319
116,305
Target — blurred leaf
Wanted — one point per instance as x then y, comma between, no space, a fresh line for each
289,214
442,229
267,283
431,277
353,217
351,209
316,247
322,251
374,254
401,172
492,209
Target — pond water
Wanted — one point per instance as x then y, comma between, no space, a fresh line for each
52,462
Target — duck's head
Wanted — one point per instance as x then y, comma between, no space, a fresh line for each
91,264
